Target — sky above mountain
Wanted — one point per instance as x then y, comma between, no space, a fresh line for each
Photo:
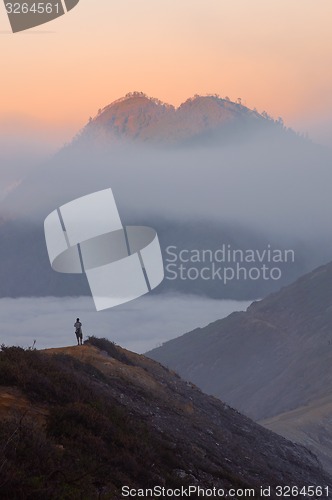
274,55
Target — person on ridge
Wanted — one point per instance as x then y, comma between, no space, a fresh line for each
78,331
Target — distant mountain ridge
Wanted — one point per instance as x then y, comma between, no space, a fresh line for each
272,362
138,117
270,359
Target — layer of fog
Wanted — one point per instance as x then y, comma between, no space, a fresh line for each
140,325
19,157
283,187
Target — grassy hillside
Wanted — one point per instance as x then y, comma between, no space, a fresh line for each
81,422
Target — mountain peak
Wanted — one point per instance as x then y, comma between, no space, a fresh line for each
136,116
134,99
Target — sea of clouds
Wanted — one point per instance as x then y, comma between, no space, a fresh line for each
140,325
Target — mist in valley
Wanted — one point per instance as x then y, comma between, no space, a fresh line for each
270,188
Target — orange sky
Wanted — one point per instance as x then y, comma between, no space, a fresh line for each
275,54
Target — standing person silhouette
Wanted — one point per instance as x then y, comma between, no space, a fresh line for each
78,331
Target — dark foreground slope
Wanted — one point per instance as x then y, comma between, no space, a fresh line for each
82,422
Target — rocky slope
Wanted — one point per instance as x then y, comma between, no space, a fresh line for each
273,359
82,422
310,425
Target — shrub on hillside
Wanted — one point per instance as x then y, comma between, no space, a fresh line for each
109,347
